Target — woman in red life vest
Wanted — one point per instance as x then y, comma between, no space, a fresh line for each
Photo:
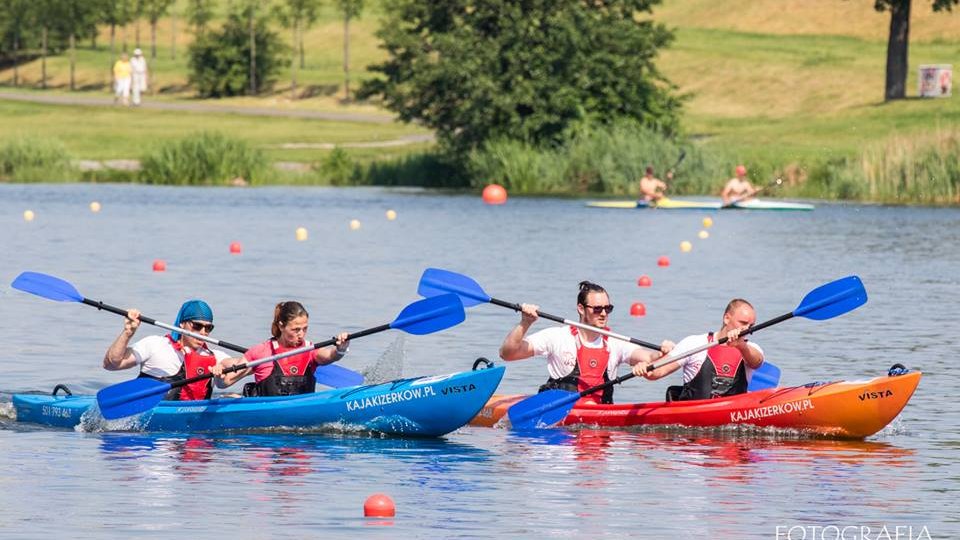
170,358
577,359
722,370
290,375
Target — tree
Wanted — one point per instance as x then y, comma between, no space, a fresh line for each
522,70
115,13
199,14
219,60
18,19
350,9
78,20
154,10
898,42
297,15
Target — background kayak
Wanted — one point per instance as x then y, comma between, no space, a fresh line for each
422,406
685,204
855,409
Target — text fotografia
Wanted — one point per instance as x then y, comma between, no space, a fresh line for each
852,532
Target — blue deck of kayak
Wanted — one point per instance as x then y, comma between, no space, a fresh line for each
422,406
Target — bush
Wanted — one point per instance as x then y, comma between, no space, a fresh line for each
36,160
594,159
203,158
426,170
337,169
220,59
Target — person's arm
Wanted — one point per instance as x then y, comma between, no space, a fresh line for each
667,347
119,355
752,354
514,347
329,355
648,357
223,381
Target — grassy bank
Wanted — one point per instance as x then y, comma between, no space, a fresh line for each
124,133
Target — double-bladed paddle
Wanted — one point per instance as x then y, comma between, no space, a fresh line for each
435,281
54,288
732,203
438,281
421,317
824,302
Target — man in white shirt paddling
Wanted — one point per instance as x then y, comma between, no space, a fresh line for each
720,371
577,359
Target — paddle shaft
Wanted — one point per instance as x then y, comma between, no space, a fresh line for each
282,355
113,309
669,360
516,307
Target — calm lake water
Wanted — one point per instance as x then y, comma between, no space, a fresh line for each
476,483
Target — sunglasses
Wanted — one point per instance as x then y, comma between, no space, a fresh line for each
599,309
201,327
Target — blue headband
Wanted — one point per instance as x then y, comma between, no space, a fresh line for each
192,310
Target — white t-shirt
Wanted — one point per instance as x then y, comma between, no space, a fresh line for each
559,345
691,364
158,358
138,65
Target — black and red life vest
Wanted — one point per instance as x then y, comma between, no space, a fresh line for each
590,370
195,363
290,376
723,373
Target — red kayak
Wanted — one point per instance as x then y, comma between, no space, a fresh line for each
842,409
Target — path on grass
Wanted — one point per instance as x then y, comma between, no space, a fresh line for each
206,107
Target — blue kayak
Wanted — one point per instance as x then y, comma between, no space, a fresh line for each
421,406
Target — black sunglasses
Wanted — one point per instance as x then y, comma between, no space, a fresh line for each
599,309
199,326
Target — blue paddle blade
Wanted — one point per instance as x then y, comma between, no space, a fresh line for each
542,410
336,376
47,287
430,315
768,376
436,281
833,299
131,397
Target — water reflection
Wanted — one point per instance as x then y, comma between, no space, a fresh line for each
284,457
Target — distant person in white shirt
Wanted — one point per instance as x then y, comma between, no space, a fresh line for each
138,64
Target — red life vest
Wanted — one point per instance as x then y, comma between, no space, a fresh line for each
592,365
589,370
723,373
195,363
290,376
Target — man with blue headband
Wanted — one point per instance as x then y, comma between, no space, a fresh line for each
170,358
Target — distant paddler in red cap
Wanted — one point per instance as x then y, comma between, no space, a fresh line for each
738,188
170,358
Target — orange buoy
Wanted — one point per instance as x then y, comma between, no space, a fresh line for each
379,505
663,261
638,309
235,248
494,194
644,281
159,265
